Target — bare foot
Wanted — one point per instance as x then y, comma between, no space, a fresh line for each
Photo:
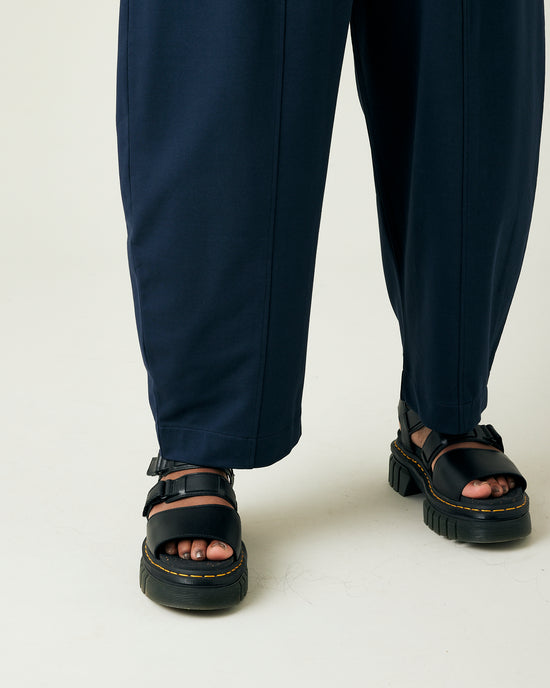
199,550
477,489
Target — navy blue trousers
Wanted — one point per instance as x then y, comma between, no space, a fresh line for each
225,111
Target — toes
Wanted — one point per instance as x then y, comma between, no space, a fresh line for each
491,487
184,549
501,480
217,551
496,489
198,550
170,548
477,489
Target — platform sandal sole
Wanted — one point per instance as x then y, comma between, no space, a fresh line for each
463,529
193,592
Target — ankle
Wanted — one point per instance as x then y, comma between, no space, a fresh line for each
420,436
187,471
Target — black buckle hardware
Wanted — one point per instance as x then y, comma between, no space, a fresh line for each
154,465
171,494
161,466
496,438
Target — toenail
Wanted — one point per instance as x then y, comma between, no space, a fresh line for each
199,554
186,555
219,544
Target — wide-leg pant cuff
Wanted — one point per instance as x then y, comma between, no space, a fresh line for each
452,419
205,448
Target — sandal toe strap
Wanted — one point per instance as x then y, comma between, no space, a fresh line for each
457,467
207,521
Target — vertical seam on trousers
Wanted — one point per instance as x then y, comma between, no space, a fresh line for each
464,212
271,235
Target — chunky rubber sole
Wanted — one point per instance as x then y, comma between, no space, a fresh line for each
474,529
181,585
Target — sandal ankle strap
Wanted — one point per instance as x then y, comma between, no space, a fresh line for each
163,467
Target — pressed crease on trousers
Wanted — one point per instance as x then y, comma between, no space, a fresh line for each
225,111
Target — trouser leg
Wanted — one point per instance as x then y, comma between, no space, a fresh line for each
224,117
452,93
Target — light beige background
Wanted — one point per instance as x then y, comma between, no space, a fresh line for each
347,585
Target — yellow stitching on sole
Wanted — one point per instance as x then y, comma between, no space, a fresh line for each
190,575
456,506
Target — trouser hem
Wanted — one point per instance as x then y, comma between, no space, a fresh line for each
452,419
206,448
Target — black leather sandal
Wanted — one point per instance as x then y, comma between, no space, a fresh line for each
446,511
185,583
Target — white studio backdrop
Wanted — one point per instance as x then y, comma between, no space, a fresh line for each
346,583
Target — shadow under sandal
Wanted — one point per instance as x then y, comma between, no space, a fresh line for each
446,510
185,583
